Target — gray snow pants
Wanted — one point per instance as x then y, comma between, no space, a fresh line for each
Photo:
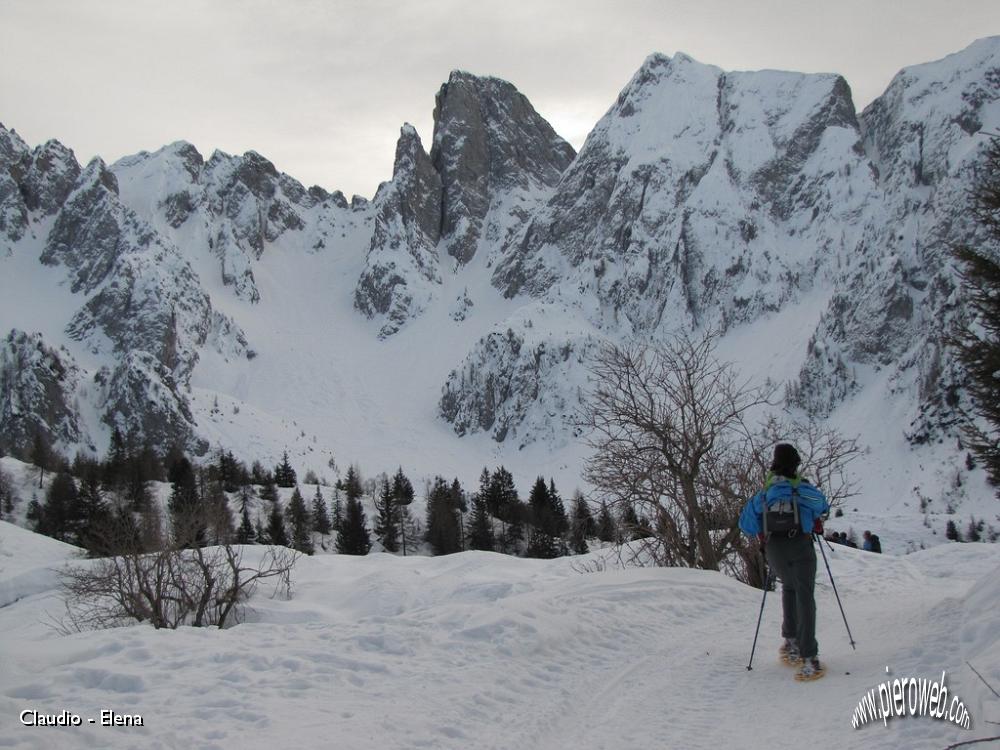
793,559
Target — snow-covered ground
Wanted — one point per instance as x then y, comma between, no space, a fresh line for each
478,650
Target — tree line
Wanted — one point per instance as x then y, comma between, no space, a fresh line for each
108,507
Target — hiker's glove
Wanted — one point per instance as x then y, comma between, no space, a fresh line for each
818,526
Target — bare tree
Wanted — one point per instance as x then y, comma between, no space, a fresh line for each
676,455
669,427
173,586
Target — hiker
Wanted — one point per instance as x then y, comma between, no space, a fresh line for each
785,514
872,543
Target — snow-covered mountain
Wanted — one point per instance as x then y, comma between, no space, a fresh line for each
447,323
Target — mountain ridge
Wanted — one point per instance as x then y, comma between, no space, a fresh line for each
703,198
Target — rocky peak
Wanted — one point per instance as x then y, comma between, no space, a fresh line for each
401,268
257,173
88,232
188,156
701,196
488,139
14,156
52,174
419,185
12,148
927,109
37,394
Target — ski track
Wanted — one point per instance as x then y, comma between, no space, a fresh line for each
477,650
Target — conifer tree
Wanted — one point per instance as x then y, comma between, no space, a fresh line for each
402,497
607,529
402,488
514,532
284,474
54,517
485,483
246,534
41,455
276,532
387,523
560,521
300,522
337,519
246,493
442,525
353,537
972,533
977,341
951,532
460,503
7,495
502,494
91,517
186,512
116,467
353,485
269,492
260,532
629,523
540,543
481,528
582,525
219,521
128,537
320,515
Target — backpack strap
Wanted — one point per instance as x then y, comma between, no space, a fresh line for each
795,504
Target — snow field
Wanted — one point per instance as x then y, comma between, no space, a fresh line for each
479,650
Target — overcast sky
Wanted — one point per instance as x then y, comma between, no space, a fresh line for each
322,88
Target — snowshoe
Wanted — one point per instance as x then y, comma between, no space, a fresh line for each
810,670
789,653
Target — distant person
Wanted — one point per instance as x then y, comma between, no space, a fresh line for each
872,543
785,514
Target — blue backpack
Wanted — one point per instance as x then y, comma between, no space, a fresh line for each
782,518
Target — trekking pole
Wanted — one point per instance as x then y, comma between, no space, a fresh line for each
767,585
832,583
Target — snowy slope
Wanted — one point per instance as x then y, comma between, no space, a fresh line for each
477,650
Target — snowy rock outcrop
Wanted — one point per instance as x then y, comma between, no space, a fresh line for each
895,304
136,297
14,154
232,208
489,142
402,266
33,183
141,295
520,383
701,197
38,393
493,160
